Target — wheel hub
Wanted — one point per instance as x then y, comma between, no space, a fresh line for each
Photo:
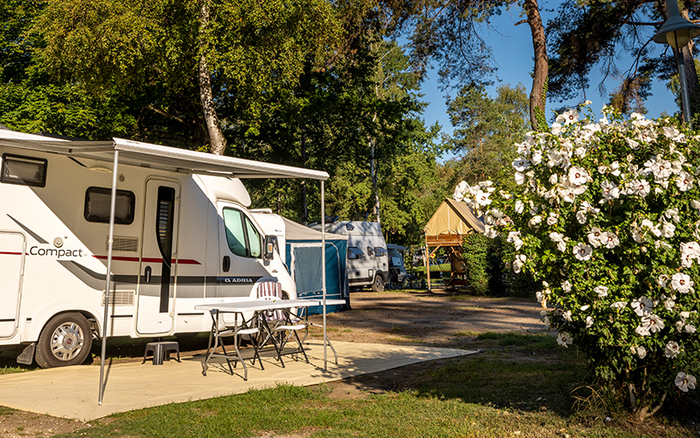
67,341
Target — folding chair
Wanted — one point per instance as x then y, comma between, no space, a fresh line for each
282,325
217,335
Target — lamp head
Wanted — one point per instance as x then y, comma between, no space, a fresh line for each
676,31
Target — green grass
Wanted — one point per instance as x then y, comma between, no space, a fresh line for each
497,393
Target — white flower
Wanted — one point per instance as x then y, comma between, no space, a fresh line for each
684,181
663,280
610,239
584,308
610,190
641,351
578,176
690,328
589,321
566,286
642,331
519,178
602,291
567,117
521,164
689,252
519,206
535,220
518,263
682,283
595,237
642,306
684,381
460,191
552,218
639,187
514,238
695,204
558,238
564,339
582,251
668,229
566,315
672,349
653,323
619,305
482,198
631,143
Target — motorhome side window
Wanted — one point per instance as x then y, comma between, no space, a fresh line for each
97,205
380,252
242,236
354,253
23,170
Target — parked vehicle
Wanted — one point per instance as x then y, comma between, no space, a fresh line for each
397,266
368,259
180,239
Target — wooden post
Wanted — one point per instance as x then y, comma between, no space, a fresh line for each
427,260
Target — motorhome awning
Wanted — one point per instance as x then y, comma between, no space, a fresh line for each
135,153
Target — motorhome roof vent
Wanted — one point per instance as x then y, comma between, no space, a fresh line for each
127,244
349,227
120,298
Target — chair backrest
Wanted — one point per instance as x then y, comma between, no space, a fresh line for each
271,290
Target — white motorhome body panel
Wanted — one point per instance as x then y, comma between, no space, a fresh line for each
12,249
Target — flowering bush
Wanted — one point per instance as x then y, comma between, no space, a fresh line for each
607,216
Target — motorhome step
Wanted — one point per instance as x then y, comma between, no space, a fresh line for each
161,350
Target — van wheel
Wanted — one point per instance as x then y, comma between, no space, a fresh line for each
378,284
65,340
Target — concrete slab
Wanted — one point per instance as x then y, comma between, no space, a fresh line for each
72,392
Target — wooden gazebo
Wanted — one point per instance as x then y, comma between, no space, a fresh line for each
446,229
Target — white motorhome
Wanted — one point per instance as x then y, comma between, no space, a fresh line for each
181,237
368,260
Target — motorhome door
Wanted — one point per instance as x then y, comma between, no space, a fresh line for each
241,246
158,253
12,252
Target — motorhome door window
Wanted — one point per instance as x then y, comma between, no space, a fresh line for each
243,238
23,170
97,205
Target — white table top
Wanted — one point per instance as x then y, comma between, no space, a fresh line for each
257,305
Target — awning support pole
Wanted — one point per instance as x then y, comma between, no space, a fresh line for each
323,273
108,280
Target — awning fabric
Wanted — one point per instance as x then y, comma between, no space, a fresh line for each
134,153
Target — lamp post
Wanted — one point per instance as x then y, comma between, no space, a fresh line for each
677,32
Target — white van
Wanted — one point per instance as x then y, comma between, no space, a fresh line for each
368,260
180,239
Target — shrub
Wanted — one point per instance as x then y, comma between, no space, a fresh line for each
606,216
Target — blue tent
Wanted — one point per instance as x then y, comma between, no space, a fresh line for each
303,255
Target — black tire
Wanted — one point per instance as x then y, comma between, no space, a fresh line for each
378,283
65,340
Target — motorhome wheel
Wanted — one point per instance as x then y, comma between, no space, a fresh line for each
65,340
378,284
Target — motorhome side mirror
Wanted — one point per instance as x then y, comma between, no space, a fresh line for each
270,245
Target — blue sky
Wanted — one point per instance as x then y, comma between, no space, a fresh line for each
512,50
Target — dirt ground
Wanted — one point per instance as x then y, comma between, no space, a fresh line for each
432,318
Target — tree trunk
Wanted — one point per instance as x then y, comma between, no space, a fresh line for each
539,80
217,140
375,188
